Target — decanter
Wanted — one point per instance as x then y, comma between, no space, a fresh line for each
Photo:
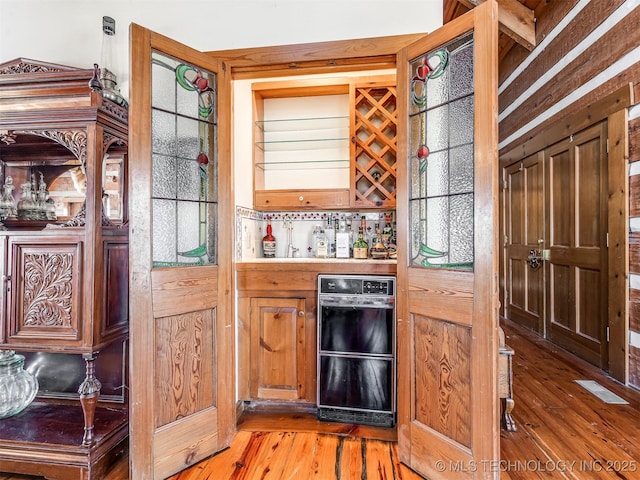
18,387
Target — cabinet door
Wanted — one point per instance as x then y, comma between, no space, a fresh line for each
43,291
277,348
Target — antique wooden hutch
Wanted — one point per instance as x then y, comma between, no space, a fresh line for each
64,265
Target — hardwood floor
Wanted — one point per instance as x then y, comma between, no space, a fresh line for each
563,432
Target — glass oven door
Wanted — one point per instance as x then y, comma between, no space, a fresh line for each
356,325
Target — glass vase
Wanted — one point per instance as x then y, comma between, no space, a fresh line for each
18,387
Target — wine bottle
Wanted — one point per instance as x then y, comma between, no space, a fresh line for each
269,242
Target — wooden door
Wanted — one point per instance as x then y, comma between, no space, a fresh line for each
576,282
524,242
278,348
448,411
182,317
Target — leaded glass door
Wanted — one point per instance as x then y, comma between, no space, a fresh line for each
181,365
448,414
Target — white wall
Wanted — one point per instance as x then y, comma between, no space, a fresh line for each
69,32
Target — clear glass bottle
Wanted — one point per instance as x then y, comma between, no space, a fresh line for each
269,242
18,387
322,245
314,239
330,232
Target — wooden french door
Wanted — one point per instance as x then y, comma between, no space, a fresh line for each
448,410
576,282
181,288
524,242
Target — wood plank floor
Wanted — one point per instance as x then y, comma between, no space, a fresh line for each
563,432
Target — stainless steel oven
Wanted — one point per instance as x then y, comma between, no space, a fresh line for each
357,349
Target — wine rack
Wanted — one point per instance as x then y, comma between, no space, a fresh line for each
373,146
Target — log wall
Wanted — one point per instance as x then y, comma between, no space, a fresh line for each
586,51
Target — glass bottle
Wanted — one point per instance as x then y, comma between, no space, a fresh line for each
387,230
18,387
330,232
317,230
378,250
269,242
392,246
322,245
360,247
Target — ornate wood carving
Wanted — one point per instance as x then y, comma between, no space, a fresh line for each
48,289
8,137
116,110
74,140
27,67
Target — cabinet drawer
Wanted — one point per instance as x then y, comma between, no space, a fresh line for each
301,199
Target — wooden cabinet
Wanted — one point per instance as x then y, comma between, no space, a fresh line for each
278,348
325,143
277,323
63,258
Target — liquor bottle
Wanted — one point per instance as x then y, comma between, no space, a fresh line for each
392,246
269,242
330,232
317,230
387,231
360,247
342,241
322,245
378,250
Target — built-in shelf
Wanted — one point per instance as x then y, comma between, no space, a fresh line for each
302,144
295,124
305,165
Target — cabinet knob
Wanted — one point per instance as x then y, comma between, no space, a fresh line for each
301,313
300,198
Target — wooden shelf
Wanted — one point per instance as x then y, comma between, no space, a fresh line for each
46,439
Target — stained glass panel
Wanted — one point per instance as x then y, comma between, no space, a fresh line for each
441,157
184,175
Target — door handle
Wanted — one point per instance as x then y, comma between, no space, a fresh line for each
535,258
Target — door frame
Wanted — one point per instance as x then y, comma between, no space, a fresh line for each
614,109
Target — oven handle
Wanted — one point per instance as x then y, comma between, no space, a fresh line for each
357,301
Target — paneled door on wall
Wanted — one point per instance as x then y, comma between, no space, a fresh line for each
555,210
181,290
447,208
524,242
576,278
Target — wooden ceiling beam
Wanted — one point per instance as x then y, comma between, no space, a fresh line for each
516,20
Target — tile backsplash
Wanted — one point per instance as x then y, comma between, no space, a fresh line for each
251,227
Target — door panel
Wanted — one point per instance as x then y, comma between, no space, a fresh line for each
277,348
447,272
524,219
182,385
577,285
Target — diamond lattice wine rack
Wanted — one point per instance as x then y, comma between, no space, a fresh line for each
373,146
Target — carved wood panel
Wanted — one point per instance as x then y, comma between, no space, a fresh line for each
184,360
44,291
442,373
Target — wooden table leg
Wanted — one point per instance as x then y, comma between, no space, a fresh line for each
89,391
507,408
